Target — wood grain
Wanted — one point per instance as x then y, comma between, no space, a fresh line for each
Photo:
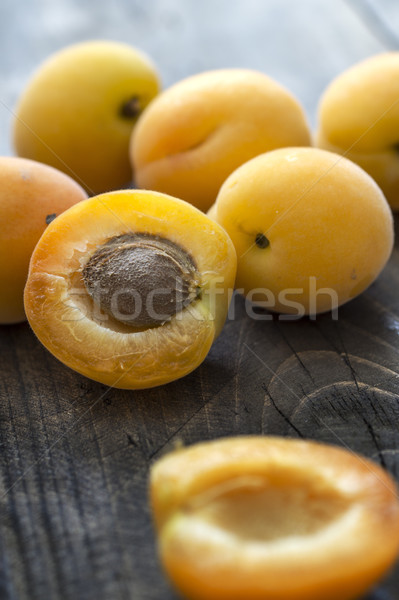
74,455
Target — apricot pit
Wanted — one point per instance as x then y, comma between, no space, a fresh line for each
154,268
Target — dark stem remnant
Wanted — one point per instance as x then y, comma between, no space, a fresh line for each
141,279
261,241
131,108
50,218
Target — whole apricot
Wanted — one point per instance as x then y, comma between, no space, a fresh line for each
311,229
130,288
359,117
273,519
79,109
31,195
198,131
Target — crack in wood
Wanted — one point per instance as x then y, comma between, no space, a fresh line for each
375,442
296,354
280,412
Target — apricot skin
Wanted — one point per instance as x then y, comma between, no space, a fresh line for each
30,195
221,510
72,113
197,132
328,227
77,332
359,117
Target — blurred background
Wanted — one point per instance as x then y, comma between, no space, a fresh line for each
303,44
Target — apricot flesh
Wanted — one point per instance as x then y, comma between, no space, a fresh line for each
79,108
359,117
74,326
273,519
194,134
312,230
31,195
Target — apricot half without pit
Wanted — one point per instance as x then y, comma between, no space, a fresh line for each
194,134
131,288
260,518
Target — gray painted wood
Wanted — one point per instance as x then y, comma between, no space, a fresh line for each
74,460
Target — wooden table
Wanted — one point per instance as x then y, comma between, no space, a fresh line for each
74,460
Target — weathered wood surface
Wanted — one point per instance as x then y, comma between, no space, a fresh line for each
74,455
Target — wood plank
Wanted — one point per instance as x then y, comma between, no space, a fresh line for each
78,519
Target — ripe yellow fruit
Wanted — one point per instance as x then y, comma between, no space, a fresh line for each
359,117
312,230
78,111
31,196
198,131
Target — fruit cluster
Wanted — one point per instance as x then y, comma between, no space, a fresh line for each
131,286
297,229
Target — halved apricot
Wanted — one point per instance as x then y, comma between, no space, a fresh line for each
269,518
130,288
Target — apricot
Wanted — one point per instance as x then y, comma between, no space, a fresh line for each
197,132
311,229
211,212
31,195
273,519
79,109
359,117
130,288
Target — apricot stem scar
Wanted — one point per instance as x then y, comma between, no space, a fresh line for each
131,108
261,241
50,218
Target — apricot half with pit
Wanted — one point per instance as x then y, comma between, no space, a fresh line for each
359,117
130,288
194,134
312,230
31,195
273,519
79,108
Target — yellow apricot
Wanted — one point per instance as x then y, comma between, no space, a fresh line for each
211,212
31,195
359,117
267,518
130,288
197,132
78,111
311,229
